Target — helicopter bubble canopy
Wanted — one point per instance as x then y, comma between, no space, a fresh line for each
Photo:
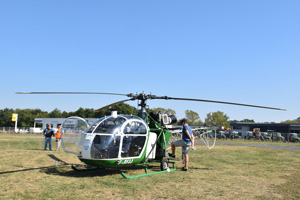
112,137
73,127
111,124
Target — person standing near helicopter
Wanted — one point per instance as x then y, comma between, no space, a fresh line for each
48,133
185,143
58,135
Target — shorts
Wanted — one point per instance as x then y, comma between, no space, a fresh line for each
185,145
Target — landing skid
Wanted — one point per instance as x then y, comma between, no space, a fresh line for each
148,174
129,177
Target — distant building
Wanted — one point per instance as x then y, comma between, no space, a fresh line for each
284,129
55,121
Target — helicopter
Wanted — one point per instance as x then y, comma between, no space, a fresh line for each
122,141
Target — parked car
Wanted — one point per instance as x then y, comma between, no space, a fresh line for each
221,135
276,136
249,135
235,135
293,137
265,136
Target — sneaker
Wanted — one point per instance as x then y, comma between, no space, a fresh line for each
184,169
172,155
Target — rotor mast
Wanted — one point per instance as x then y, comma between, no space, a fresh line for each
142,103
142,97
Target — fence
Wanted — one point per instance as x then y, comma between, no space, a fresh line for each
19,130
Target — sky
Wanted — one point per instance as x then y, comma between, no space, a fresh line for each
238,51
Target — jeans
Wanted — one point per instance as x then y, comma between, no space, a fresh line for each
48,140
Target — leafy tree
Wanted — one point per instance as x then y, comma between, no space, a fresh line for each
41,114
89,113
217,119
163,111
56,113
193,118
5,117
248,120
25,117
124,108
121,108
65,114
80,112
295,121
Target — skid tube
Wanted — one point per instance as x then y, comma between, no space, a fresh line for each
148,174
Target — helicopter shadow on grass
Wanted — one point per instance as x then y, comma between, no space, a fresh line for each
35,168
201,168
35,149
23,170
66,171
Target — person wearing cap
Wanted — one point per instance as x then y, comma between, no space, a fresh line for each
185,143
58,135
48,133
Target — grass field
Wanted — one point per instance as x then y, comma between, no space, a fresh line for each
225,172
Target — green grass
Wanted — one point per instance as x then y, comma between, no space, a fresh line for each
242,141
225,172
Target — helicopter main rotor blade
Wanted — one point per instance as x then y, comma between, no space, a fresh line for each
144,97
113,104
224,102
71,93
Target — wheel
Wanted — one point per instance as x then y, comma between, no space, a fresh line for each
163,165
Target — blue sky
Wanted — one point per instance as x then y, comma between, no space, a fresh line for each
238,51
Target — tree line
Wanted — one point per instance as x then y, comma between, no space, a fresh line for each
26,116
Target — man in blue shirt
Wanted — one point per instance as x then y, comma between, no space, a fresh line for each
185,143
48,133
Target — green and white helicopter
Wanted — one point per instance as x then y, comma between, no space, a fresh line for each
122,141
